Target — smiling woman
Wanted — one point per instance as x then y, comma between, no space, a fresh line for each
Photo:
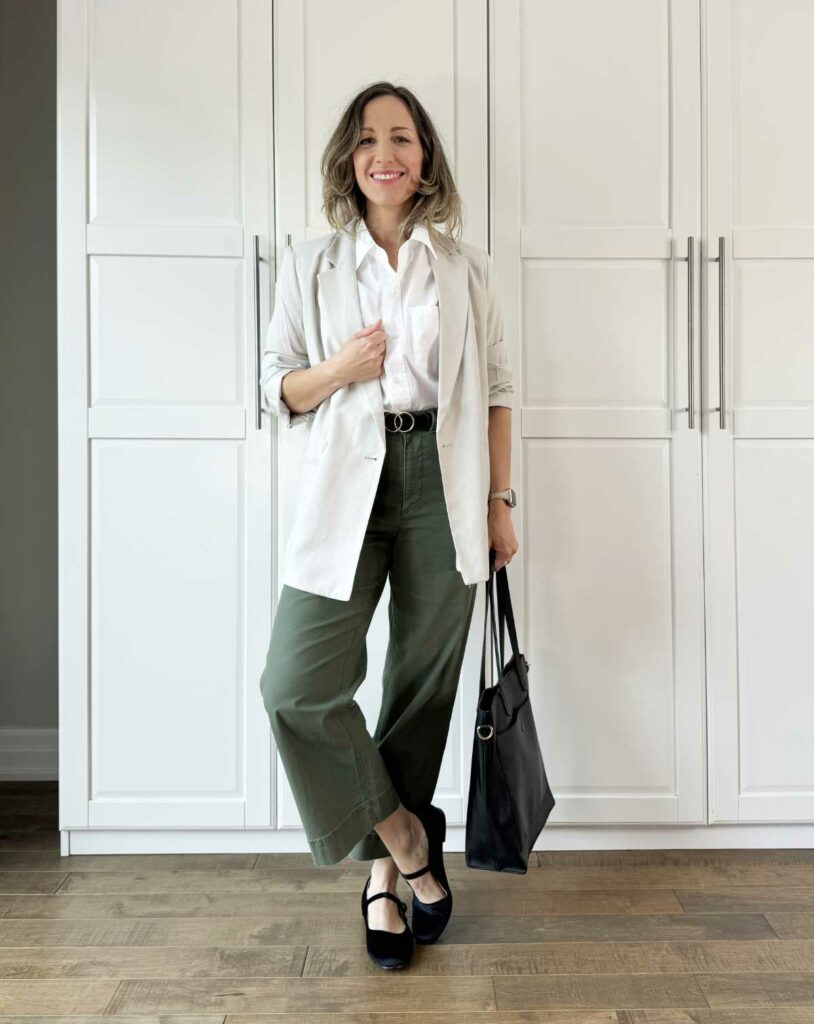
386,131
392,165
389,338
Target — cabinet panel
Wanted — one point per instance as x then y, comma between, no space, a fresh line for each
772,82
600,170
595,79
604,600
759,469
159,423
774,487
607,336
166,331
168,615
164,140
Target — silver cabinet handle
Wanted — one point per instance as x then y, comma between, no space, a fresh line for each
257,331
258,355
690,327
720,259
690,261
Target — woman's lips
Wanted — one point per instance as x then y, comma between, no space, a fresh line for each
388,181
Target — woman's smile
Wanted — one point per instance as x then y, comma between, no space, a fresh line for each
386,177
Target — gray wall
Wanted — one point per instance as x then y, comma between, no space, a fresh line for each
28,371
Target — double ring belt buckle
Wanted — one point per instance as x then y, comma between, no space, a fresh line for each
398,427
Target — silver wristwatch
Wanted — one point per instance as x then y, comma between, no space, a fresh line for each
509,496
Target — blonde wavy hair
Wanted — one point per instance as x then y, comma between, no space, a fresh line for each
436,200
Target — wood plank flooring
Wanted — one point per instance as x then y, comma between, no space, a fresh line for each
625,937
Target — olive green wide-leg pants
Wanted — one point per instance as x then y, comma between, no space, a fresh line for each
343,779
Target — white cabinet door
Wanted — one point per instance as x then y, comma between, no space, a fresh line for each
597,190
760,455
165,521
324,53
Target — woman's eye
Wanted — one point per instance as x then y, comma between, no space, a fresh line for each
399,138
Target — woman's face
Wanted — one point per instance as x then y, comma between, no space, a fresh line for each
388,142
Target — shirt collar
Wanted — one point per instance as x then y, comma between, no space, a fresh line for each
365,242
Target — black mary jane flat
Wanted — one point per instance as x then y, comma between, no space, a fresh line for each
388,949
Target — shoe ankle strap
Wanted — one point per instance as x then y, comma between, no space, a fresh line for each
415,874
386,895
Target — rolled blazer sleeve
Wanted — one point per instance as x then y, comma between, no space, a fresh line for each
501,390
285,348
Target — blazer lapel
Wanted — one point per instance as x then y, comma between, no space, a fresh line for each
451,277
339,291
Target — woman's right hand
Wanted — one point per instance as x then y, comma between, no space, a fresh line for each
361,357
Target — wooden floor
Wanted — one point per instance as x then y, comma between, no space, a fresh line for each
664,937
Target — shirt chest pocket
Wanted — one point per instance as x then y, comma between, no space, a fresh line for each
423,330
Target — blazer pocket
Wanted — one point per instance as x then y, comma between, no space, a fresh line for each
423,330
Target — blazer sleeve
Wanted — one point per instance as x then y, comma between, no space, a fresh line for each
285,348
501,390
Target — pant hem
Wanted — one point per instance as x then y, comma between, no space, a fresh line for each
336,845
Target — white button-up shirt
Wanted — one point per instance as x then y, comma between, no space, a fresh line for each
407,302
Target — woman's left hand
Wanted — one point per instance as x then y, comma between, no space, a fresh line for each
501,533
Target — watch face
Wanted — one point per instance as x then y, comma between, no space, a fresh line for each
512,497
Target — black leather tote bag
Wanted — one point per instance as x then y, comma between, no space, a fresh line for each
509,795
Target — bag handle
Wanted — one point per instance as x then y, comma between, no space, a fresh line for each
494,648
500,579
505,611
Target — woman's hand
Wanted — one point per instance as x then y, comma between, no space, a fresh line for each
361,357
501,532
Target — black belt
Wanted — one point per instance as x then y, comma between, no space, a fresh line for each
401,422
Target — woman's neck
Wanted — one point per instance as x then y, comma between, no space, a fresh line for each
383,223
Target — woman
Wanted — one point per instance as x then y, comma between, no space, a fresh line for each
386,340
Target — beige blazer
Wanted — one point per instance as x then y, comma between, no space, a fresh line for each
316,310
